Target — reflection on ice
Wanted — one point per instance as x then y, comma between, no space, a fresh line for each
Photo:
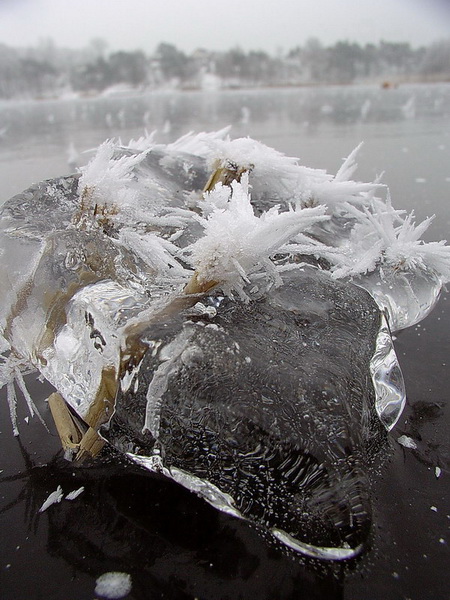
222,315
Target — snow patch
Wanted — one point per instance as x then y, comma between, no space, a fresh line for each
113,585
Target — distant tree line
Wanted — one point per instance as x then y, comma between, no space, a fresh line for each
46,70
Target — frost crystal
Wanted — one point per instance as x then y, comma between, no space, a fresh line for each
136,229
251,154
108,180
199,144
382,236
237,242
11,374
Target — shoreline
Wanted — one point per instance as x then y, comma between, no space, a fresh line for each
384,84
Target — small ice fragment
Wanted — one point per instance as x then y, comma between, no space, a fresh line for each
433,508
407,442
113,585
437,472
27,419
54,497
74,494
441,541
201,310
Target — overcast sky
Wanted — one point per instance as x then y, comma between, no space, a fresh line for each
271,25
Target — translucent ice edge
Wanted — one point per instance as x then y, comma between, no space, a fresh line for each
406,297
225,503
387,378
326,553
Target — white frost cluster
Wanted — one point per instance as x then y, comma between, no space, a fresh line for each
108,180
116,185
252,155
237,243
236,240
382,237
281,176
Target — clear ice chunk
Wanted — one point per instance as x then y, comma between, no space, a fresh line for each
268,405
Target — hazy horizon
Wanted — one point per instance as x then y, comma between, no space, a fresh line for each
191,24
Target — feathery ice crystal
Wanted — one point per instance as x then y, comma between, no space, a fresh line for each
237,243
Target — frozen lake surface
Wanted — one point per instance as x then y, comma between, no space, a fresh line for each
172,544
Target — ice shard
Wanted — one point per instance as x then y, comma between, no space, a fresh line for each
222,315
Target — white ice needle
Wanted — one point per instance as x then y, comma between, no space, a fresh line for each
54,498
75,493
